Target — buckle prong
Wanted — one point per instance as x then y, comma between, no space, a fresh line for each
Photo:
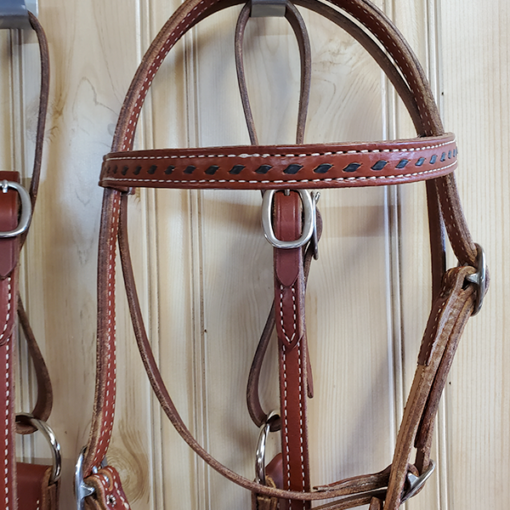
417,482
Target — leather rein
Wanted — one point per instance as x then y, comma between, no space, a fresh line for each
292,224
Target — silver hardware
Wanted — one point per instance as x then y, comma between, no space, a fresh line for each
260,454
315,240
479,278
268,8
309,226
14,13
26,209
112,500
81,489
48,433
417,482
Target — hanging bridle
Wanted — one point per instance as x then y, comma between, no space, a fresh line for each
292,224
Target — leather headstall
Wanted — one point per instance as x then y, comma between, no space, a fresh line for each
24,485
292,224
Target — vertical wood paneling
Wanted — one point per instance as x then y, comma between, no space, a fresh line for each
204,269
476,105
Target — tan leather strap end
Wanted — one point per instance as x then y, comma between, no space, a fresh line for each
109,494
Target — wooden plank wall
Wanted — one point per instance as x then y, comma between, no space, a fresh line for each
204,269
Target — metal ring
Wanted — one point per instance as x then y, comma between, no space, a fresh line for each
479,278
48,433
26,209
260,454
81,489
308,222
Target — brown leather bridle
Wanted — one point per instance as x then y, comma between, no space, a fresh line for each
285,174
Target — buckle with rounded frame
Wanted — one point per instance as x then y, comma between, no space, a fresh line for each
26,209
309,201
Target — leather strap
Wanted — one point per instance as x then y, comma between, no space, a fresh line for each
9,250
290,327
295,167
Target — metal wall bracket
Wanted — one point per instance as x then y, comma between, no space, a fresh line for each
14,13
268,8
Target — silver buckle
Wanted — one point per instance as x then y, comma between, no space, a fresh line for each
260,454
26,209
309,201
417,482
48,433
81,489
479,278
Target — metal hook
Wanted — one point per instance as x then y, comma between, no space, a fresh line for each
81,489
268,8
14,13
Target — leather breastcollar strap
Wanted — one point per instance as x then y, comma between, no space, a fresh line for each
24,486
431,157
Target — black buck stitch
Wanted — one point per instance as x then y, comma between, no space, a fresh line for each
263,169
169,169
212,170
402,163
322,169
379,165
137,170
420,162
152,169
125,170
433,159
236,169
352,167
443,156
190,169
293,169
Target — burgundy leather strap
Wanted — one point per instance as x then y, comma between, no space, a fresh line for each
9,254
35,491
290,327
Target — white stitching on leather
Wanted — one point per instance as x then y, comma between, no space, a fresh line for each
295,313
9,304
330,179
301,411
7,424
285,417
110,332
258,155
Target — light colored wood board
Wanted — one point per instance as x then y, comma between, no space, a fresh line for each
90,61
476,72
6,101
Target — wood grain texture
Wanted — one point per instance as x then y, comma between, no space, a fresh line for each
204,270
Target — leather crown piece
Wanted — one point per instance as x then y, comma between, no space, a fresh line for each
292,224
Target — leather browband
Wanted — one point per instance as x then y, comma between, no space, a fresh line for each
298,166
